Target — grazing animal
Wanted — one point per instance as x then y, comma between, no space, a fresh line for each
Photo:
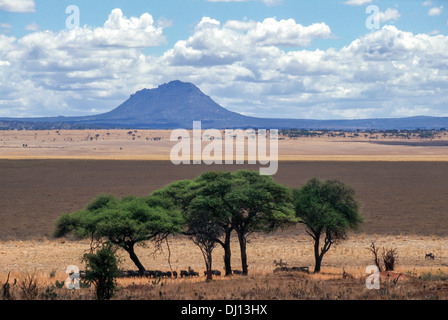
297,269
430,256
282,269
280,263
239,272
214,273
346,275
148,273
301,269
175,274
158,274
184,273
134,274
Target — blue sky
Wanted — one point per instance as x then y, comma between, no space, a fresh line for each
282,58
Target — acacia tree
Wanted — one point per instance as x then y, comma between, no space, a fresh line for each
210,193
256,203
245,202
125,223
327,209
242,201
204,232
204,194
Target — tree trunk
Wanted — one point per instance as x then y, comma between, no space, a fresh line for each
130,249
242,240
317,256
227,253
208,265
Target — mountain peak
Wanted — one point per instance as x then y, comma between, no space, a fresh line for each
176,87
176,84
173,103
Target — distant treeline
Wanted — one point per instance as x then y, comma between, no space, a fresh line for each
372,134
28,125
290,133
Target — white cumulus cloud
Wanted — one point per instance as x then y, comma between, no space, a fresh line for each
389,15
357,2
261,68
436,11
17,5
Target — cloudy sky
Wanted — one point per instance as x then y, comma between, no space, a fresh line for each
313,59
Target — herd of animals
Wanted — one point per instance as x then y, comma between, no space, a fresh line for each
157,274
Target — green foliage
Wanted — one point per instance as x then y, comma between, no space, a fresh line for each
126,222
438,276
204,232
134,220
102,270
59,284
251,201
244,201
49,293
328,206
66,224
178,194
102,202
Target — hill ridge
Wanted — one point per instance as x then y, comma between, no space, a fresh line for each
177,104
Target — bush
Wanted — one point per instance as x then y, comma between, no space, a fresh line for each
49,293
389,258
102,270
439,276
59,284
28,285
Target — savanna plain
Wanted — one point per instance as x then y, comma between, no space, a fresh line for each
401,184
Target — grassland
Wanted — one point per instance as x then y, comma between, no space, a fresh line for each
421,278
402,190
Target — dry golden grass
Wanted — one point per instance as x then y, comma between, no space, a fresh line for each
48,259
267,286
140,145
48,255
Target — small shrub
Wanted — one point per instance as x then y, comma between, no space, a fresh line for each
5,292
389,258
28,285
102,271
49,293
59,284
439,276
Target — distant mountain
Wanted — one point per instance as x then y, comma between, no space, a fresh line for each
177,104
172,105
